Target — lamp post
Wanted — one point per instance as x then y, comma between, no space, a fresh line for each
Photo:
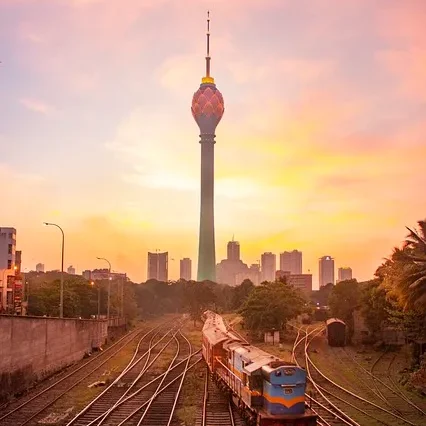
109,283
61,297
99,298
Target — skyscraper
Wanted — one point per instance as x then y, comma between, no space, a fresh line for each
71,270
207,110
291,261
185,269
40,267
268,266
233,250
230,270
344,274
326,270
158,266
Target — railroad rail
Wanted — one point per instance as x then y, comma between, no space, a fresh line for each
338,394
109,405
217,409
28,409
329,414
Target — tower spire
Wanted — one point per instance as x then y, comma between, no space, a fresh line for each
208,78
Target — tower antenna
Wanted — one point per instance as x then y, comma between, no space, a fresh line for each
208,45
208,78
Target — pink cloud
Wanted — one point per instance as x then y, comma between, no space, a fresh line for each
36,105
409,66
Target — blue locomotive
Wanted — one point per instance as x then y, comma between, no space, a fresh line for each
269,391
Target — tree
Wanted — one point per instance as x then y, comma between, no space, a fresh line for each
198,296
343,300
320,297
241,292
375,305
271,305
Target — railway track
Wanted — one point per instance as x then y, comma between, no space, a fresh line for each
380,372
368,412
329,414
117,401
217,409
30,408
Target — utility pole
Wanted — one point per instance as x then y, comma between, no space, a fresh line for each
61,297
109,283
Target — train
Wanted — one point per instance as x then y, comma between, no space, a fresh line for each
267,390
336,332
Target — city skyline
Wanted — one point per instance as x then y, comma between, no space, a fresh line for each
321,148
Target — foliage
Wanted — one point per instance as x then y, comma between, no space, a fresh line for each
343,300
80,298
320,297
271,305
375,305
198,297
404,274
240,293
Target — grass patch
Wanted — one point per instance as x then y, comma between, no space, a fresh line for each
163,361
191,398
193,334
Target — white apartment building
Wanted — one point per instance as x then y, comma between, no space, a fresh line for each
7,264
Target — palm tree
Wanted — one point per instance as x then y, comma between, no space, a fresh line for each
411,281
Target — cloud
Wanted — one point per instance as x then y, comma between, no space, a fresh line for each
409,66
36,105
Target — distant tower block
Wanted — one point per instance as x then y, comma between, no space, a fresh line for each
207,110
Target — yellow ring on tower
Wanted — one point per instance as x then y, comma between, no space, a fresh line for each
207,80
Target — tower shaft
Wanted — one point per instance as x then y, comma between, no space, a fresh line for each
206,248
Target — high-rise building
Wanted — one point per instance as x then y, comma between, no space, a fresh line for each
291,261
7,248
268,266
207,110
40,267
7,266
252,274
233,250
344,274
185,269
71,270
158,267
232,270
326,270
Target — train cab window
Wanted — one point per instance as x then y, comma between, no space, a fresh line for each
278,373
256,383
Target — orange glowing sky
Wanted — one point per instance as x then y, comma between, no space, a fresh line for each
321,148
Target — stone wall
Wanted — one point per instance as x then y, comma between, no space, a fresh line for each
32,348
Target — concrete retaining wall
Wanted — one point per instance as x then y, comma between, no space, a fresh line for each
32,348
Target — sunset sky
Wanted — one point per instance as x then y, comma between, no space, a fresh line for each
322,146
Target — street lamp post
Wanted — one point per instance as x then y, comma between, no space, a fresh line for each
99,298
109,283
61,297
